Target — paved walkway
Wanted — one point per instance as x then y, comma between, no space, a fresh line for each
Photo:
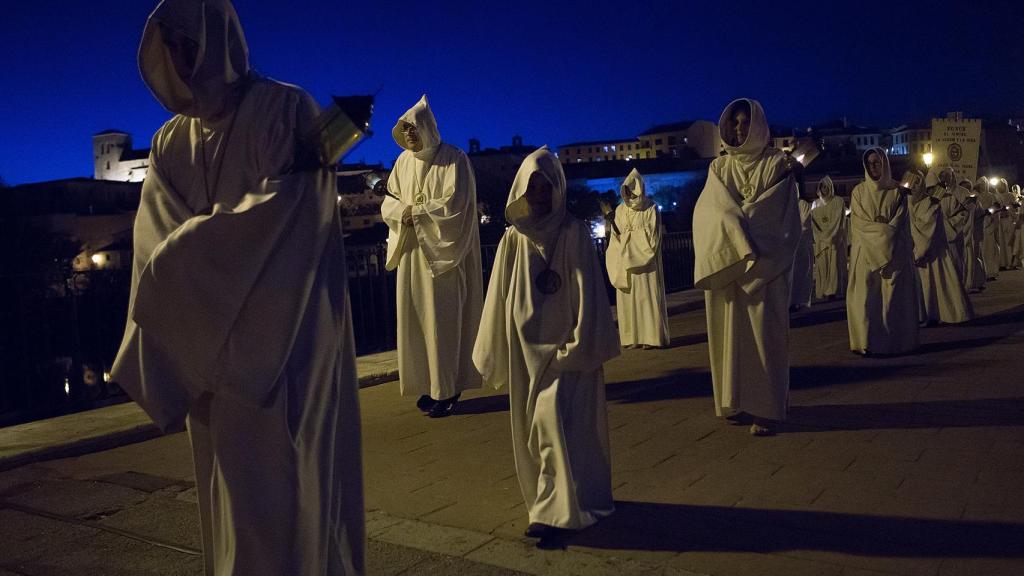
908,466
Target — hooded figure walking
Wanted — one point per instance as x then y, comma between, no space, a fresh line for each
634,266
239,324
746,228
547,331
434,241
882,293
829,220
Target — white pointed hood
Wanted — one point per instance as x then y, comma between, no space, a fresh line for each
422,117
634,184
757,137
826,189
222,60
544,229
885,182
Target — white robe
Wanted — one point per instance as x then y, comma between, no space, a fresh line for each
635,268
802,287
1018,245
991,243
974,232
239,319
881,296
744,250
955,214
1007,230
829,220
440,283
943,295
550,351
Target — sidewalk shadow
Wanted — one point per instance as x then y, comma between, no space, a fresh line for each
1010,316
681,528
688,340
815,317
679,385
908,415
483,405
803,377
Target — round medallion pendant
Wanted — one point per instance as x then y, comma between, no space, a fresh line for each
548,282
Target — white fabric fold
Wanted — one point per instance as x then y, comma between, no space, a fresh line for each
439,291
549,348
634,263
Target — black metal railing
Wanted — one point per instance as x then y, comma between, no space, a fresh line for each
58,337
59,334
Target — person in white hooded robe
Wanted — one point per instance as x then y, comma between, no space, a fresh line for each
882,293
802,283
434,241
633,259
1017,208
943,297
547,331
239,323
955,213
746,226
829,220
974,267
990,244
1006,217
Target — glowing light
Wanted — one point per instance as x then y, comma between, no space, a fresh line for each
928,158
993,181
106,376
848,211
800,158
674,204
597,230
97,259
67,387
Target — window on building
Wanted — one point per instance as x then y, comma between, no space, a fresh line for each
605,148
613,148
657,141
671,140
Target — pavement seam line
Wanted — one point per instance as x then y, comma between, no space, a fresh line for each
101,527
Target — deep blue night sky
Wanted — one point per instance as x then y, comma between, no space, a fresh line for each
554,74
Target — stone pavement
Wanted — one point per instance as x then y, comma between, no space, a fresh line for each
909,465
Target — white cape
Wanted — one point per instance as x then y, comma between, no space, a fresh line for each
943,295
550,350
634,263
881,296
829,221
802,288
239,319
439,289
744,250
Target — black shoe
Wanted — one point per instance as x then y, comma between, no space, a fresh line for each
740,419
425,403
536,530
444,408
554,538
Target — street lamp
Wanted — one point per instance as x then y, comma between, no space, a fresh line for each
928,158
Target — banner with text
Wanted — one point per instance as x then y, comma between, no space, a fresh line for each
956,143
